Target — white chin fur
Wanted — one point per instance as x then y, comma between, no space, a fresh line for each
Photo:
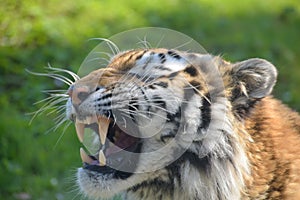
96,186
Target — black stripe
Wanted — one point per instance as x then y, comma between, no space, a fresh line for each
141,55
163,68
191,70
174,171
159,101
172,75
205,113
130,57
106,104
156,185
162,84
97,88
162,57
106,96
174,54
193,159
196,86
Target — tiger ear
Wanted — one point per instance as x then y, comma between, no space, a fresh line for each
253,78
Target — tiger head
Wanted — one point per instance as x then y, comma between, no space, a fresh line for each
160,117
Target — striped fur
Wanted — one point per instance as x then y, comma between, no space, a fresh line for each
217,132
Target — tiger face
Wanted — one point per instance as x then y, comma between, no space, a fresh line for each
167,124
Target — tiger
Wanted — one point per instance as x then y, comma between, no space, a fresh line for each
171,124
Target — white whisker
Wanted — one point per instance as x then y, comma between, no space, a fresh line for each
96,59
113,47
144,43
104,53
74,76
184,44
158,43
63,92
55,102
63,132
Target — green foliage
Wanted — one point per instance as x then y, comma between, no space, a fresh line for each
35,165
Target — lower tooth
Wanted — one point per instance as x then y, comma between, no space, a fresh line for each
102,159
84,157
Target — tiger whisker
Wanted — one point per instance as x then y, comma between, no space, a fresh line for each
104,53
184,44
144,43
72,74
55,92
58,109
161,39
52,104
131,115
140,111
201,93
63,132
113,47
153,105
47,106
45,100
95,59
54,76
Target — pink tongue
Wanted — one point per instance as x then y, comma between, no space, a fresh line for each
123,142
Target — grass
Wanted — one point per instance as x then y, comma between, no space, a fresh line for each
36,165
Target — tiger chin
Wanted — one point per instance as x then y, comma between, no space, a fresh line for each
176,125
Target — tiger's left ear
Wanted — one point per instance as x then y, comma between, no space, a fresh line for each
254,78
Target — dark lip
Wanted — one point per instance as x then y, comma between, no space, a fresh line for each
106,170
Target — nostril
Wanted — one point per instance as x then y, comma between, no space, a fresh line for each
73,117
79,94
82,95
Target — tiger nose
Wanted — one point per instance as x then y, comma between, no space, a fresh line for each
78,94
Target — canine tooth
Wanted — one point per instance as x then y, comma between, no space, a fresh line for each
84,157
103,124
102,159
80,130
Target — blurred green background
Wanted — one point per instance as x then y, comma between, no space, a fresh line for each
36,165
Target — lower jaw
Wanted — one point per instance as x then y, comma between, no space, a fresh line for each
107,170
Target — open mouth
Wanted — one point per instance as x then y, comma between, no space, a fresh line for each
116,151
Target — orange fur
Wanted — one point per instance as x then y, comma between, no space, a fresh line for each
275,152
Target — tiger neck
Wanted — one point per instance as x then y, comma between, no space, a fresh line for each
190,178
